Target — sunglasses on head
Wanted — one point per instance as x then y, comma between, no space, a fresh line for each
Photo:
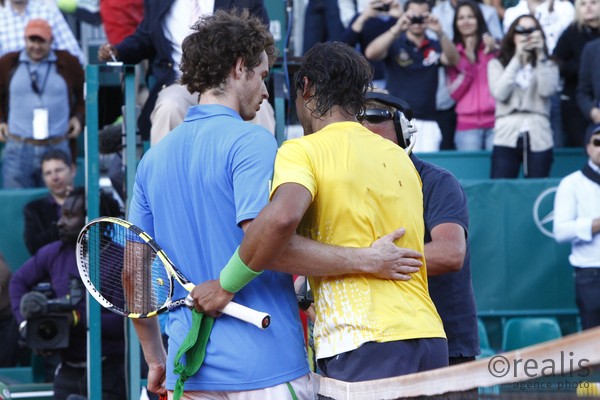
375,116
524,31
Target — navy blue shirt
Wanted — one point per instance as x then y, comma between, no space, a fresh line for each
412,74
372,28
452,293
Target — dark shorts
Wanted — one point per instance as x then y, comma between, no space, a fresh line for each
587,296
73,380
385,360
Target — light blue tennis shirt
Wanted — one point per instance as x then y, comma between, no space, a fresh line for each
192,190
53,95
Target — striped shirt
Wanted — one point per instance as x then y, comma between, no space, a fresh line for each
12,28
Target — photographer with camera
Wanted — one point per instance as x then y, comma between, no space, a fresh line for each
377,17
52,315
411,62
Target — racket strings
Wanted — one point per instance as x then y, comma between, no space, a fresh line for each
125,270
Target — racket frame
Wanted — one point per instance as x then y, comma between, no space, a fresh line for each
257,318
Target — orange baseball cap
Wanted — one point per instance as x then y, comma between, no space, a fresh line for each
40,28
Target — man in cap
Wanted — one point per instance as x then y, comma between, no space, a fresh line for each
577,220
41,105
15,16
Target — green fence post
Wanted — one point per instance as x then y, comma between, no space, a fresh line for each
133,344
92,174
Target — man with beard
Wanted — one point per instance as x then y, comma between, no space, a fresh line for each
56,263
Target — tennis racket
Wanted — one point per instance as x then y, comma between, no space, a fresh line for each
126,271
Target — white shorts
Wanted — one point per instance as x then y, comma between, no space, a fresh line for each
304,387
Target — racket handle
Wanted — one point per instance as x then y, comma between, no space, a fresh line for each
257,318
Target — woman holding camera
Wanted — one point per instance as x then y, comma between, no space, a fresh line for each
522,80
468,81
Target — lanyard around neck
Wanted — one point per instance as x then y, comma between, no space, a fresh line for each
37,86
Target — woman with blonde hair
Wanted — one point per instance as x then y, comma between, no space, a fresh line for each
567,54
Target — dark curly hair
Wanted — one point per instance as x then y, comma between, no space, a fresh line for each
339,75
219,41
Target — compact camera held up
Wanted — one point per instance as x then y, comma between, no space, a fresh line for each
48,320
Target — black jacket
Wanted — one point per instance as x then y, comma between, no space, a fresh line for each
149,42
41,217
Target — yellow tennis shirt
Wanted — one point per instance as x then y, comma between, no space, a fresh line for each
363,187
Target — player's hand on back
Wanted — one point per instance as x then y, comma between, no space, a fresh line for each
389,261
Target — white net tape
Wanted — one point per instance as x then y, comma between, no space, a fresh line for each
571,356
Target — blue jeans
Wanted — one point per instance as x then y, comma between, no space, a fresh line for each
506,162
474,139
21,163
322,23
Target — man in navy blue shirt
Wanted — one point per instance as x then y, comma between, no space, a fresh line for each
446,225
411,62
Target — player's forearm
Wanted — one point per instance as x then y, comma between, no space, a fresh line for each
267,237
148,331
443,257
447,249
304,256
382,259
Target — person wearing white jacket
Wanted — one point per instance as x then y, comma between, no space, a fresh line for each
522,80
577,220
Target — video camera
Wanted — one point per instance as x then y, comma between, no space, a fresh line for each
48,320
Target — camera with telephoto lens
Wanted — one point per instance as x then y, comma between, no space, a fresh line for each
48,320
418,19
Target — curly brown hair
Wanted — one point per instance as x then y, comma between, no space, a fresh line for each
340,76
218,42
